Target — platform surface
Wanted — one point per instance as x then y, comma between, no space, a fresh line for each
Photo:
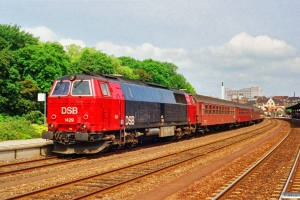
23,144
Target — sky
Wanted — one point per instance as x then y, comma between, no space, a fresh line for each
240,43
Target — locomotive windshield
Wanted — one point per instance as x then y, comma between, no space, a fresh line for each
81,87
61,88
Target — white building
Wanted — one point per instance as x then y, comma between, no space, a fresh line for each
246,92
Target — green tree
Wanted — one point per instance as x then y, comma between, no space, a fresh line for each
74,52
11,40
15,38
131,62
42,64
27,96
9,82
144,76
125,71
92,60
163,73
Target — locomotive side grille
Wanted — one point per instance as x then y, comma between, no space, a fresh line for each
175,112
143,112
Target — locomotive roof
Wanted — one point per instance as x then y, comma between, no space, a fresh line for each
80,76
113,78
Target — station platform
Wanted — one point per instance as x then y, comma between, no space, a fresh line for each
15,149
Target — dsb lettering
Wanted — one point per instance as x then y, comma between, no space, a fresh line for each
69,110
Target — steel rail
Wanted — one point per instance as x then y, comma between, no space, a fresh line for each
290,176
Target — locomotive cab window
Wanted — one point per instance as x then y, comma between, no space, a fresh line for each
105,89
61,88
81,88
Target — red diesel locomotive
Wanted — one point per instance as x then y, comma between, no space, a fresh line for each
89,113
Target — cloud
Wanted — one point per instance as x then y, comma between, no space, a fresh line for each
243,45
142,52
244,61
45,34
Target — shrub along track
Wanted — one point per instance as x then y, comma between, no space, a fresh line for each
96,183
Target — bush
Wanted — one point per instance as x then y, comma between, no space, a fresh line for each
6,118
35,117
16,129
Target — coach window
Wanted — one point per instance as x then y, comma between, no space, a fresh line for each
210,109
206,109
105,89
213,110
217,110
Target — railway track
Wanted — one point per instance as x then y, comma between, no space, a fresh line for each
21,167
262,180
100,183
26,166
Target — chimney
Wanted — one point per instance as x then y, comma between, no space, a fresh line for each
222,89
294,94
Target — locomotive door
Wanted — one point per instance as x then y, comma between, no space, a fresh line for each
121,110
105,107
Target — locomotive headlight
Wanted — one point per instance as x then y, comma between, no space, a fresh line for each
52,126
72,77
85,126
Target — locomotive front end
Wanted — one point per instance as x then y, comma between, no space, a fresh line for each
72,110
